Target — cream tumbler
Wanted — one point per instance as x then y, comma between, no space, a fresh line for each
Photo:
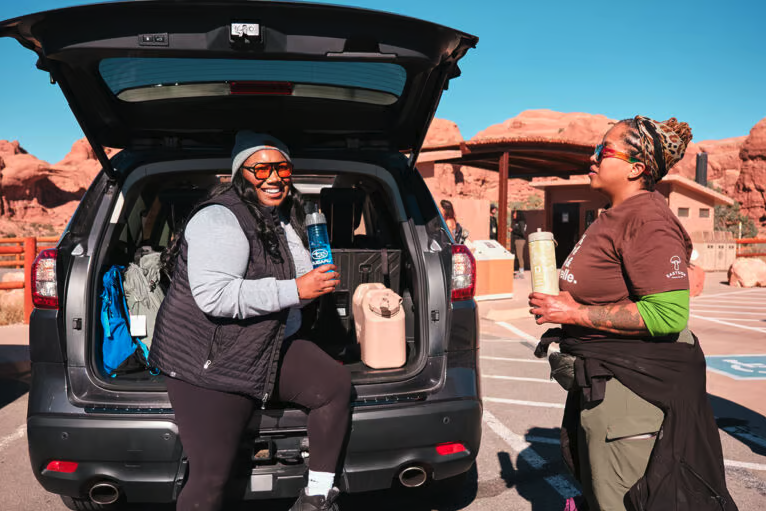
542,259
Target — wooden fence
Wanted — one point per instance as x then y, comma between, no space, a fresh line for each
21,253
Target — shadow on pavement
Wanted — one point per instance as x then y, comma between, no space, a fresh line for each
15,372
742,423
535,465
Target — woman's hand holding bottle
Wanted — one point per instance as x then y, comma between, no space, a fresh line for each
317,282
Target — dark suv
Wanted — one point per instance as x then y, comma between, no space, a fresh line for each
352,93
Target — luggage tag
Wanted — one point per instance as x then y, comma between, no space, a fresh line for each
138,326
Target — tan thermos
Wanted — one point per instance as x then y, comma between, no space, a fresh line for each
542,260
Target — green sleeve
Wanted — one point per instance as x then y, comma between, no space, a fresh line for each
665,313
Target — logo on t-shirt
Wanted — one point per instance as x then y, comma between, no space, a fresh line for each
566,273
676,261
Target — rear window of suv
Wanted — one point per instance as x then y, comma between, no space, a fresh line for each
153,79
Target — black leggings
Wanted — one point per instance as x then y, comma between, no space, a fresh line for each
211,423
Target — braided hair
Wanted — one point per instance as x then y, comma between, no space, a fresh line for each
633,141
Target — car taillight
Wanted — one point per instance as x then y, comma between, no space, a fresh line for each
44,288
450,448
64,467
463,273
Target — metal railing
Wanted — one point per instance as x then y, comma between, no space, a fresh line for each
21,253
751,247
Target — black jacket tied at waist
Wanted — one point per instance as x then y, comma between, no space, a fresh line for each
685,470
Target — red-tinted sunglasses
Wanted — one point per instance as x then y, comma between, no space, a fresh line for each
263,170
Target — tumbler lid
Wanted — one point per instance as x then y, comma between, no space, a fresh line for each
540,236
315,218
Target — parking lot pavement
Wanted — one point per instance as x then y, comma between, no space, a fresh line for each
519,466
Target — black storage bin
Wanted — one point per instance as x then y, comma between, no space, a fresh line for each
334,327
362,266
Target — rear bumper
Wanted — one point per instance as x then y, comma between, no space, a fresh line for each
144,456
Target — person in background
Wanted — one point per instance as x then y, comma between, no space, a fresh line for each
448,212
493,222
638,430
519,239
227,337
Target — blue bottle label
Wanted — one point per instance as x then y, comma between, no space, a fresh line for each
319,245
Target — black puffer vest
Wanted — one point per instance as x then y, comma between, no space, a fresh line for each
224,354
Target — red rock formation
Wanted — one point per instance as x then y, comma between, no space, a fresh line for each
723,164
37,197
750,189
736,165
577,127
442,132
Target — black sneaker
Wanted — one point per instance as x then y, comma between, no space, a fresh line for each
317,502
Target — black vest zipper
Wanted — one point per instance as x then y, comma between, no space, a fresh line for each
277,348
210,353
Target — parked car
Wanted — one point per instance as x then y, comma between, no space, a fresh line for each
352,93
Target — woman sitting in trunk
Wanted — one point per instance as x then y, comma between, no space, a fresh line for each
227,335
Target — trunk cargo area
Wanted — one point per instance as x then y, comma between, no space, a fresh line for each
367,243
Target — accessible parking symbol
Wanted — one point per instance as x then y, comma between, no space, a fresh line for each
739,367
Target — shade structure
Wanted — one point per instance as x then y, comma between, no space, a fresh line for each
520,158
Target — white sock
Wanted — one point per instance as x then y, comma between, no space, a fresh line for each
320,483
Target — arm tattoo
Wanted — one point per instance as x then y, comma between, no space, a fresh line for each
617,319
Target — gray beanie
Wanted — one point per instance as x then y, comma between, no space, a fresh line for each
248,142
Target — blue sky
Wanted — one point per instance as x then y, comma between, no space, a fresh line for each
701,61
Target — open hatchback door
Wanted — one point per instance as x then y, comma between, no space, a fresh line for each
163,74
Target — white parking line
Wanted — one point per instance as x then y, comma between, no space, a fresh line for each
520,333
727,323
736,307
744,464
516,378
745,291
8,440
756,300
744,319
524,450
733,313
522,403
526,360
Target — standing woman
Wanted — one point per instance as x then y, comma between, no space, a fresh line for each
448,212
519,238
637,370
226,336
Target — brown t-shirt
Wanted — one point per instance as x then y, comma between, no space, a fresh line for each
635,249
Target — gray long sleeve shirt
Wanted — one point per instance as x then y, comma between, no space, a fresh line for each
218,252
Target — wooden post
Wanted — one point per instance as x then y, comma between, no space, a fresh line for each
502,201
30,253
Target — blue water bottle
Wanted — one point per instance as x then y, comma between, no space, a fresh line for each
319,241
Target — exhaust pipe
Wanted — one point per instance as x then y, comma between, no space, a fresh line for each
413,477
104,493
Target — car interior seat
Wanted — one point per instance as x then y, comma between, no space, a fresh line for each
342,208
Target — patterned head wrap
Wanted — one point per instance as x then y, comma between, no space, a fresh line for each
663,144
